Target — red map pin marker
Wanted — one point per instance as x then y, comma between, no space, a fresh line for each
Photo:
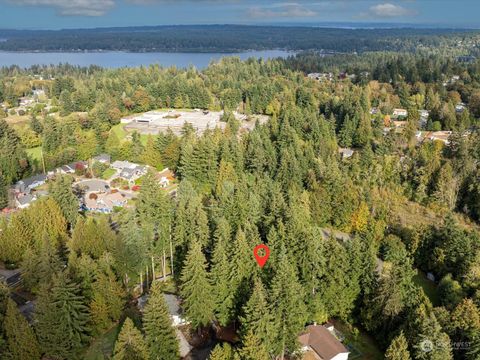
261,260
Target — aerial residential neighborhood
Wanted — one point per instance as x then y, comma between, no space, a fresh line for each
239,180
97,194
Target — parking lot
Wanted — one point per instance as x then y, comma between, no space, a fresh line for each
154,122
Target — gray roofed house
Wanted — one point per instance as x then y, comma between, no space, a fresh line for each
26,185
102,158
346,153
132,174
23,202
120,165
65,169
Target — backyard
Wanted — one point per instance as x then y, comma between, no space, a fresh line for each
361,345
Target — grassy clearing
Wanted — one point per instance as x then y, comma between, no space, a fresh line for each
35,153
17,120
428,286
102,347
121,133
361,345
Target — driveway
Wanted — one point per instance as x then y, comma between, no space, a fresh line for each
95,185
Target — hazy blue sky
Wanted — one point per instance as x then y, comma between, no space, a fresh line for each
53,14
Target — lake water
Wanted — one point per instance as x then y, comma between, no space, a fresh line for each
122,59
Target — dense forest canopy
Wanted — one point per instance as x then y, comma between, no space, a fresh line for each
233,38
402,206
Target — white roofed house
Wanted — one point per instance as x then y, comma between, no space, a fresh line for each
399,113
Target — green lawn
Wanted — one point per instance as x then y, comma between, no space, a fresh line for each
361,346
119,131
428,286
35,153
122,133
108,173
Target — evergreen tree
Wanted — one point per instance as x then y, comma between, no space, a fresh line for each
61,191
150,155
107,295
287,305
130,344
112,145
398,349
431,343
61,318
4,297
160,337
93,236
222,352
253,348
196,289
39,265
3,193
36,125
257,318
220,275
22,343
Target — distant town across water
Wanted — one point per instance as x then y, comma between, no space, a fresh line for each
128,59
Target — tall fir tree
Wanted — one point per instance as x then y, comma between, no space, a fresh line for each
222,352
61,191
398,349
196,289
150,155
130,344
160,336
220,275
257,318
22,343
3,193
253,348
4,296
287,303
61,318
39,265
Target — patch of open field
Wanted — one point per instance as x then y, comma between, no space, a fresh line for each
428,286
17,120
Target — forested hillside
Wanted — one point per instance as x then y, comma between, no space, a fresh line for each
233,38
282,184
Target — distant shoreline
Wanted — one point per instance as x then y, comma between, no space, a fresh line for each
156,51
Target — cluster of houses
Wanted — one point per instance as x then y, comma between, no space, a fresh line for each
330,76
98,195
26,102
27,190
321,76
